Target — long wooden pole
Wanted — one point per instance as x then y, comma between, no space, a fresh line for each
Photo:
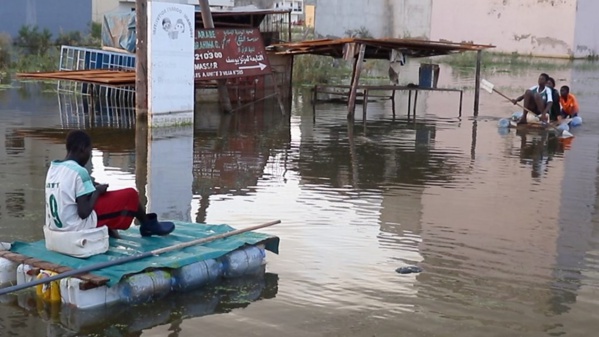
154,252
223,92
141,59
353,91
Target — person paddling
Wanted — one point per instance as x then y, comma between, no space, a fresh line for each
74,202
555,96
537,99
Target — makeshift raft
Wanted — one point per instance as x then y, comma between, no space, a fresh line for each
142,280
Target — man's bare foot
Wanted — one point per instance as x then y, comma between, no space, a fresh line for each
113,233
522,121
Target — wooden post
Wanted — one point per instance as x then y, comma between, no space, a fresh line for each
473,145
141,60
415,102
353,155
461,99
351,104
365,106
409,102
141,159
223,92
477,84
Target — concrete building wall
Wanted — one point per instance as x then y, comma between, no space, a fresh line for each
538,27
101,7
411,18
586,40
335,17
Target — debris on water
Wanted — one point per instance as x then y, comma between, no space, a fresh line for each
409,270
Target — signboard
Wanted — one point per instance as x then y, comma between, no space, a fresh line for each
170,61
229,53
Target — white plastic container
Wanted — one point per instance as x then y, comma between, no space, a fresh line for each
79,244
86,299
8,272
22,274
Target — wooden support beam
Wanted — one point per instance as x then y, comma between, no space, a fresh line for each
351,104
141,59
223,92
477,83
365,105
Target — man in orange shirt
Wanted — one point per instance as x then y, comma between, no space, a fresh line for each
568,102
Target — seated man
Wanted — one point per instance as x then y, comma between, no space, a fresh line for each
74,202
568,102
537,99
555,108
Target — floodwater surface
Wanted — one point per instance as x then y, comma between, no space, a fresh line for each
503,224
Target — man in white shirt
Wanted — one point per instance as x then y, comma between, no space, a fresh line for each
75,202
537,99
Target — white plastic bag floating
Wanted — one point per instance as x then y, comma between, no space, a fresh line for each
503,123
79,244
517,115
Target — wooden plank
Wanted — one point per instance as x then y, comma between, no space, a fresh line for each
93,280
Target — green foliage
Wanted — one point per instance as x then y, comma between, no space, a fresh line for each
5,50
313,69
35,50
33,41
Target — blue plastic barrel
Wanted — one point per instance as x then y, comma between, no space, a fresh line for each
142,288
245,261
197,274
426,75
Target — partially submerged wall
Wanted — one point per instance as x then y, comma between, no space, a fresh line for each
335,17
538,27
586,40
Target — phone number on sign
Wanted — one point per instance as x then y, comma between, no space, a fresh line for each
208,56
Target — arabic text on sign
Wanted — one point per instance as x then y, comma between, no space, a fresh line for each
246,49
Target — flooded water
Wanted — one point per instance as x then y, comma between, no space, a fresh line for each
503,224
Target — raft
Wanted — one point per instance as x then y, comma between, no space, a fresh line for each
143,280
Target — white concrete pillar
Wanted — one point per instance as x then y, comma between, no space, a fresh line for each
171,32
170,165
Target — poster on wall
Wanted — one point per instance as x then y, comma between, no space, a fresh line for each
170,59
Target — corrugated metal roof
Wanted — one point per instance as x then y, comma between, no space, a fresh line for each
376,48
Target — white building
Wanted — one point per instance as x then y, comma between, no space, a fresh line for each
101,7
297,9
522,26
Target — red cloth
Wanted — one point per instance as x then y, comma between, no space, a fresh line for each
116,209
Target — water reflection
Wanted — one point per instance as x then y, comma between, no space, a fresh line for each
231,152
504,225
121,320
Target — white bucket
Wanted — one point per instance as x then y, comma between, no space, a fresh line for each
79,244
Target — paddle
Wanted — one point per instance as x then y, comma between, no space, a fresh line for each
490,88
154,252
